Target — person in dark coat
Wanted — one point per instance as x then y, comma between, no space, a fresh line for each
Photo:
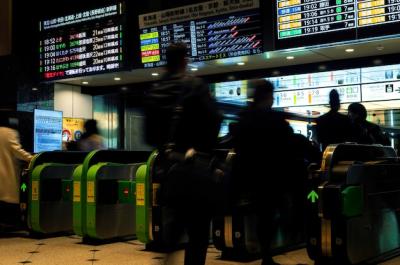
365,132
190,121
262,143
333,127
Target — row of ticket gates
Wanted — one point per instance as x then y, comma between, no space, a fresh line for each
352,211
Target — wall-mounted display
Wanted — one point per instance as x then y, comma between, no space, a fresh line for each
47,135
212,30
83,43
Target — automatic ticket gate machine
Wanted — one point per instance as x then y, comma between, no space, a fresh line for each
150,228
50,191
236,233
104,194
354,215
154,223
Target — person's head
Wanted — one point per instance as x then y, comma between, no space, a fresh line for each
91,127
334,100
176,57
263,96
357,112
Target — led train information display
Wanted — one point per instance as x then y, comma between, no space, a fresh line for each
83,43
310,22
215,30
305,17
377,12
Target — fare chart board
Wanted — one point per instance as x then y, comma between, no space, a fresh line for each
311,22
83,43
378,83
212,30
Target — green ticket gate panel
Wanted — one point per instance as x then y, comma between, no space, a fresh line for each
356,219
144,202
85,191
50,191
110,209
153,222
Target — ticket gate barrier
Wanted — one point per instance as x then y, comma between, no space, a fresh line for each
236,233
156,224
354,216
104,194
50,191
150,224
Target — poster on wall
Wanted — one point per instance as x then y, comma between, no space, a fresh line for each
72,129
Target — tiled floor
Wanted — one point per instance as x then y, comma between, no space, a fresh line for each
20,249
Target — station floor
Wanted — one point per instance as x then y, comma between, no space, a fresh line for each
18,248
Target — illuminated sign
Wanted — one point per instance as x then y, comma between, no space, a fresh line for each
320,79
315,96
84,43
380,73
234,93
373,13
381,91
47,130
312,22
304,17
212,30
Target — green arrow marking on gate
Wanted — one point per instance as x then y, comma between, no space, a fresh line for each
23,187
313,196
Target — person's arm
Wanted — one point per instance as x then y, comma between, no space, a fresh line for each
17,149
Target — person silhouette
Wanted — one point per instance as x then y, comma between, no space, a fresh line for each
333,127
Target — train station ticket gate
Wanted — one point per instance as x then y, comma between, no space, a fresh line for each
354,213
50,191
104,194
150,228
236,233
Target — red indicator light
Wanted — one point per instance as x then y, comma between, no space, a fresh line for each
126,191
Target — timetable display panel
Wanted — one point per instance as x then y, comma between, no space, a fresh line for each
310,22
217,30
84,43
378,17
313,22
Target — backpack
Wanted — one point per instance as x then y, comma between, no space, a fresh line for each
160,102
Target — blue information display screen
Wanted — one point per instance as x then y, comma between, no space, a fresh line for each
47,130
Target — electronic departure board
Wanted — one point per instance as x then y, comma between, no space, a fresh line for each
311,22
378,17
212,30
83,43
